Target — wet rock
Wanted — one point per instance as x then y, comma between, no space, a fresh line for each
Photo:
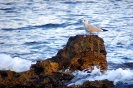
13,78
81,52
98,84
95,84
45,67
31,79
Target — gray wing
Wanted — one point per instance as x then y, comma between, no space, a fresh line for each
93,28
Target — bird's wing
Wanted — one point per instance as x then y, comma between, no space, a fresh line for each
94,28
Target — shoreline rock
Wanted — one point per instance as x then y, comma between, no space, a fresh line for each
81,52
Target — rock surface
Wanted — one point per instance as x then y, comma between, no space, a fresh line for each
81,52
95,84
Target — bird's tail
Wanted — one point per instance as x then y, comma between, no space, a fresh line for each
104,30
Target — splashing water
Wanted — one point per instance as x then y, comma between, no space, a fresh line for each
117,75
14,64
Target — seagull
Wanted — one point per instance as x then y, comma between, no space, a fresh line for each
91,28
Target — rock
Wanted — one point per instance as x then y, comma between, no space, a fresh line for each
31,79
11,78
98,84
79,53
95,84
46,66
82,52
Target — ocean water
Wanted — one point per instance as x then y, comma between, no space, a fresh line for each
32,30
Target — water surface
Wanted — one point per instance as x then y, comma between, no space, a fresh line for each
36,30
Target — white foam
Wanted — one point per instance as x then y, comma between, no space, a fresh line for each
118,75
14,64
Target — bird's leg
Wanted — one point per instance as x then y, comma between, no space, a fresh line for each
91,33
85,34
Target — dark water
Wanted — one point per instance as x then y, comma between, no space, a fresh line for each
37,29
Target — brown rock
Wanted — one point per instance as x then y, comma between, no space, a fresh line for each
95,84
98,84
79,53
82,52
45,67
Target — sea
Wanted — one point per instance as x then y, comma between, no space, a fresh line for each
32,30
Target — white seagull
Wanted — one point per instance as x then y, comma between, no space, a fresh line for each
91,28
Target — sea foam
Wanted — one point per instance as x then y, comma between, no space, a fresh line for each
117,75
14,64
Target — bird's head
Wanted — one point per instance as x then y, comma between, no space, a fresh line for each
85,21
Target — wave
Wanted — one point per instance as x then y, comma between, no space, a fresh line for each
14,64
117,76
30,27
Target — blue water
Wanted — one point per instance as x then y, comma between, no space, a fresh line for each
37,29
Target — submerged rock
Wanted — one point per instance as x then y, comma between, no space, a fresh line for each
95,84
81,52
98,84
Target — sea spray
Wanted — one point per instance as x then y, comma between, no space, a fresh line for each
117,75
14,64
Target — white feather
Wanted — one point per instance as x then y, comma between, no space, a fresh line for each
91,28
